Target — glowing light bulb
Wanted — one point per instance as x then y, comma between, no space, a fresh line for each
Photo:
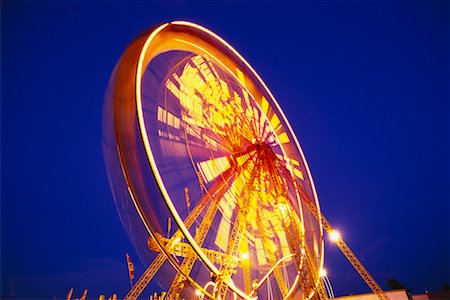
198,292
334,236
245,255
323,272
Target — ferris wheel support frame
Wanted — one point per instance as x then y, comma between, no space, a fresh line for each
345,249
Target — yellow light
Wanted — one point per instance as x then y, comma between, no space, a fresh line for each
283,209
283,137
323,272
334,235
240,76
198,292
245,255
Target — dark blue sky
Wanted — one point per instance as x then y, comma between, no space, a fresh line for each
364,85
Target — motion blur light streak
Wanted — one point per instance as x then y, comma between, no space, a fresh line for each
194,124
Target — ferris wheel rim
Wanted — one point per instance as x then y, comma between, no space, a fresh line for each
156,173
152,161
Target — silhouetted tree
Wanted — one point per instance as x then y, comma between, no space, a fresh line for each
446,287
394,284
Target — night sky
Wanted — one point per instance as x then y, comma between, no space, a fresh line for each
364,85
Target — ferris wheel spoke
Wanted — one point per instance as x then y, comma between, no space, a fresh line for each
237,233
246,201
270,251
198,89
246,129
309,274
220,112
215,194
200,236
227,206
157,263
213,167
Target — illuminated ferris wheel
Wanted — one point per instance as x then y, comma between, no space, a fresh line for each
208,176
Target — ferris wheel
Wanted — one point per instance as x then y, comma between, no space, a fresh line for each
208,176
